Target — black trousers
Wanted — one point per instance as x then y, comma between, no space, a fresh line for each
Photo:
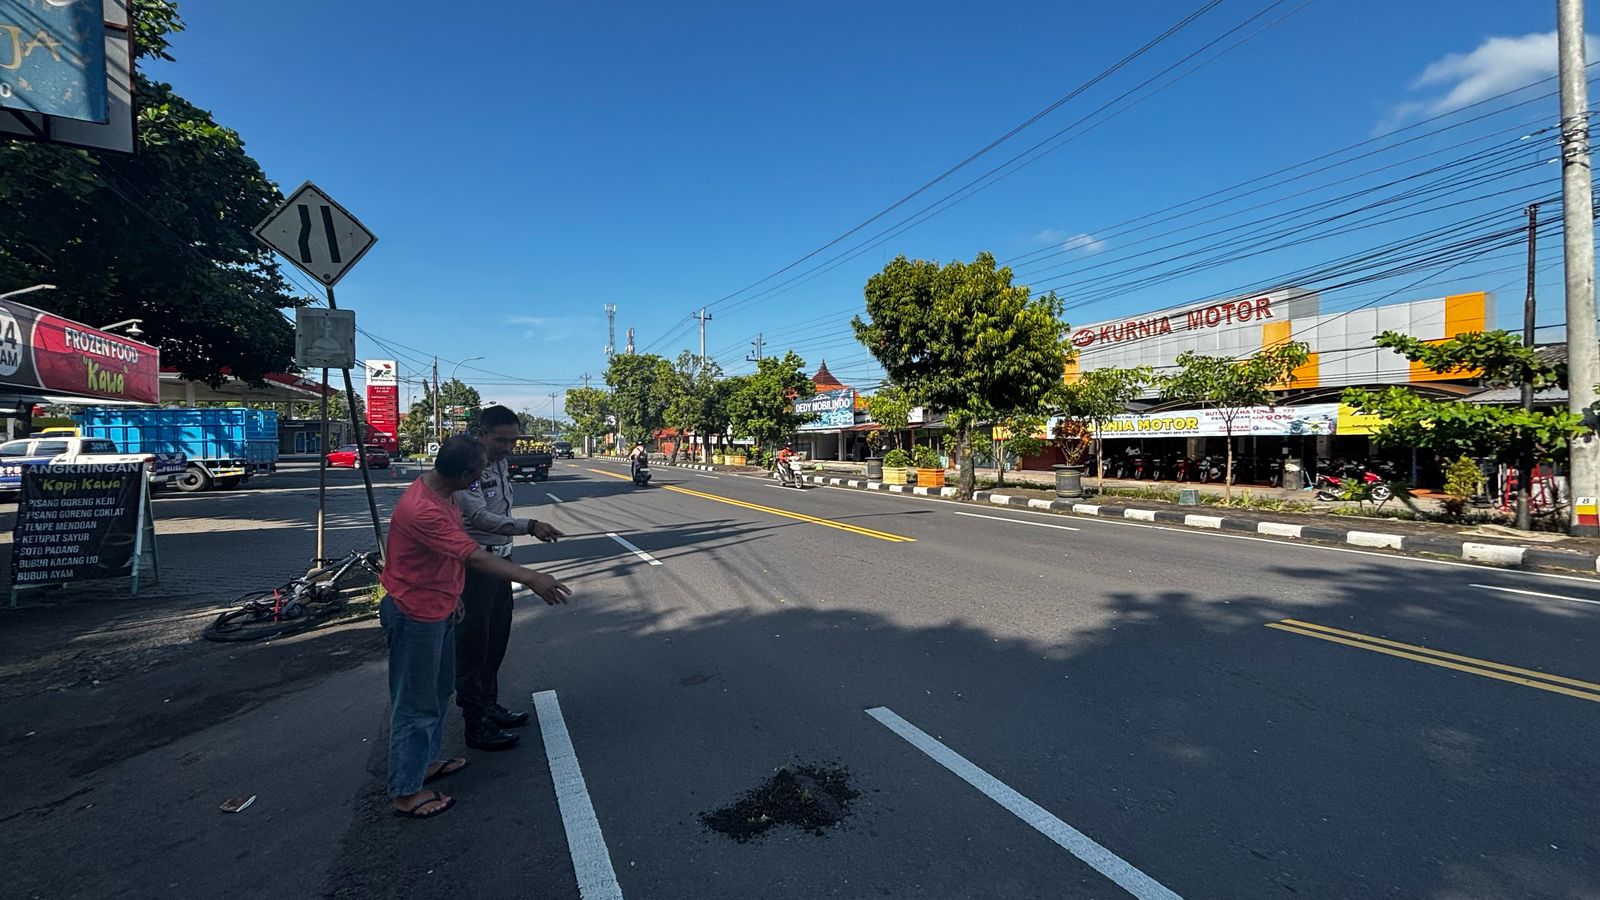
481,643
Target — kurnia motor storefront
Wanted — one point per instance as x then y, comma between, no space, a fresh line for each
1309,424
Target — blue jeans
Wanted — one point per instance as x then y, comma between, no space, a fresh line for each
422,676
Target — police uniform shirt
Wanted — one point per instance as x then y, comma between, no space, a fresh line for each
486,508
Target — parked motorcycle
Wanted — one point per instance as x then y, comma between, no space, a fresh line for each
1332,487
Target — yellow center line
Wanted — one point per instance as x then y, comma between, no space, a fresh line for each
800,517
1369,643
1530,673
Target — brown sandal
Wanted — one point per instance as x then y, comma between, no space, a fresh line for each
433,797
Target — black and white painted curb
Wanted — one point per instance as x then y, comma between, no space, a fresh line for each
1436,545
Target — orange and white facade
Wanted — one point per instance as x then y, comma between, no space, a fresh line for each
1340,341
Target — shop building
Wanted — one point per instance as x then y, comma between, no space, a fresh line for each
1165,440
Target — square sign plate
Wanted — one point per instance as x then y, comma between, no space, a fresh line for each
316,234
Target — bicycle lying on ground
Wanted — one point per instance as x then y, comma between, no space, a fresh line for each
296,606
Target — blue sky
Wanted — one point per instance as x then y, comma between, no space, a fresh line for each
524,164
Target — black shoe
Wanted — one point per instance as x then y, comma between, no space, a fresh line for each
505,718
487,737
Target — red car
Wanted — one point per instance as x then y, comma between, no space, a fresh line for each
345,457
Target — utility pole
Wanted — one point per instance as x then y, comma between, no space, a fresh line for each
553,396
759,345
704,317
436,425
611,331
1583,349
1525,462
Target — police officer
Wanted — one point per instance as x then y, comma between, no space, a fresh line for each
485,626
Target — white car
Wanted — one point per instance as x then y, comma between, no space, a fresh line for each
61,449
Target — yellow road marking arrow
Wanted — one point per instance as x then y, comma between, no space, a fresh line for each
799,517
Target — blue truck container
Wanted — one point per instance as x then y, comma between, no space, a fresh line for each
226,446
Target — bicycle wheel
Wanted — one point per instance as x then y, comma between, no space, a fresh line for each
255,619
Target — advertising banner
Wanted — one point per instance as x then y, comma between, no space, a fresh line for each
1311,419
383,404
76,522
53,58
835,409
44,353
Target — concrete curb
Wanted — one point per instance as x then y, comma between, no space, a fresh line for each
1435,545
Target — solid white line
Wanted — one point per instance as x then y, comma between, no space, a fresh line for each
1492,587
636,551
1070,839
703,475
1019,521
555,498
590,858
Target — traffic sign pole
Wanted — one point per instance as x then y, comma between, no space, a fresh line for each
322,239
361,447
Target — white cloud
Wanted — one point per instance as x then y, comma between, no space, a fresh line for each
552,328
1497,65
1069,242
1088,243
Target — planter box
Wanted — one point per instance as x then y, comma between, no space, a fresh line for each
894,474
930,478
716,459
736,459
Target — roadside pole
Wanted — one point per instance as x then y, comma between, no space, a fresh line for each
1583,348
361,448
1526,462
322,471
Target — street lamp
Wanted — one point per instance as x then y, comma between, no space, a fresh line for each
436,425
27,290
133,330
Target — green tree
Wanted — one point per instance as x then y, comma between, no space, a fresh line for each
1228,385
699,399
761,406
891,408
1097,397
162,235
416,427
590,410
961,337
1450,428
642,387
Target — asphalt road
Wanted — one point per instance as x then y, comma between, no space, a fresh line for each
1080,704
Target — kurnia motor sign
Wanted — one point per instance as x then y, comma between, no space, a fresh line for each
1212,316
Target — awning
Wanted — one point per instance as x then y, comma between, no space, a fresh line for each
279,387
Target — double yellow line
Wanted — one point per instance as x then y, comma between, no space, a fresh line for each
1555,684
799,517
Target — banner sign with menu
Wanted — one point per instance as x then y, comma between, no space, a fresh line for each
79,522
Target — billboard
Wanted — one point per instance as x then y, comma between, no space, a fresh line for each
834,409
45,355
383,404
1308,419
53,58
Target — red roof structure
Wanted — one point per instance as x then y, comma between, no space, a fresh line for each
825,381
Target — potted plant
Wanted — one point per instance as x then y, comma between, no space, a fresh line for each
1073,438
736,458
930,471
894,466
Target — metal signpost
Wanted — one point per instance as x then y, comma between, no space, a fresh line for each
323,240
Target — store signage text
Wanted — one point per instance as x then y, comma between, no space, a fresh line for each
1213,316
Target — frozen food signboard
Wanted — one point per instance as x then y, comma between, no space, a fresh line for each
45,355
1311,419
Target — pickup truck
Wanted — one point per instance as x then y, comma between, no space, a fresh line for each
64,449
530,460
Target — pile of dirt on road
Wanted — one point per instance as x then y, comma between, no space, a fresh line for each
813,798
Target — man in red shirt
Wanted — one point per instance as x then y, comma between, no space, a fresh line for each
426,566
